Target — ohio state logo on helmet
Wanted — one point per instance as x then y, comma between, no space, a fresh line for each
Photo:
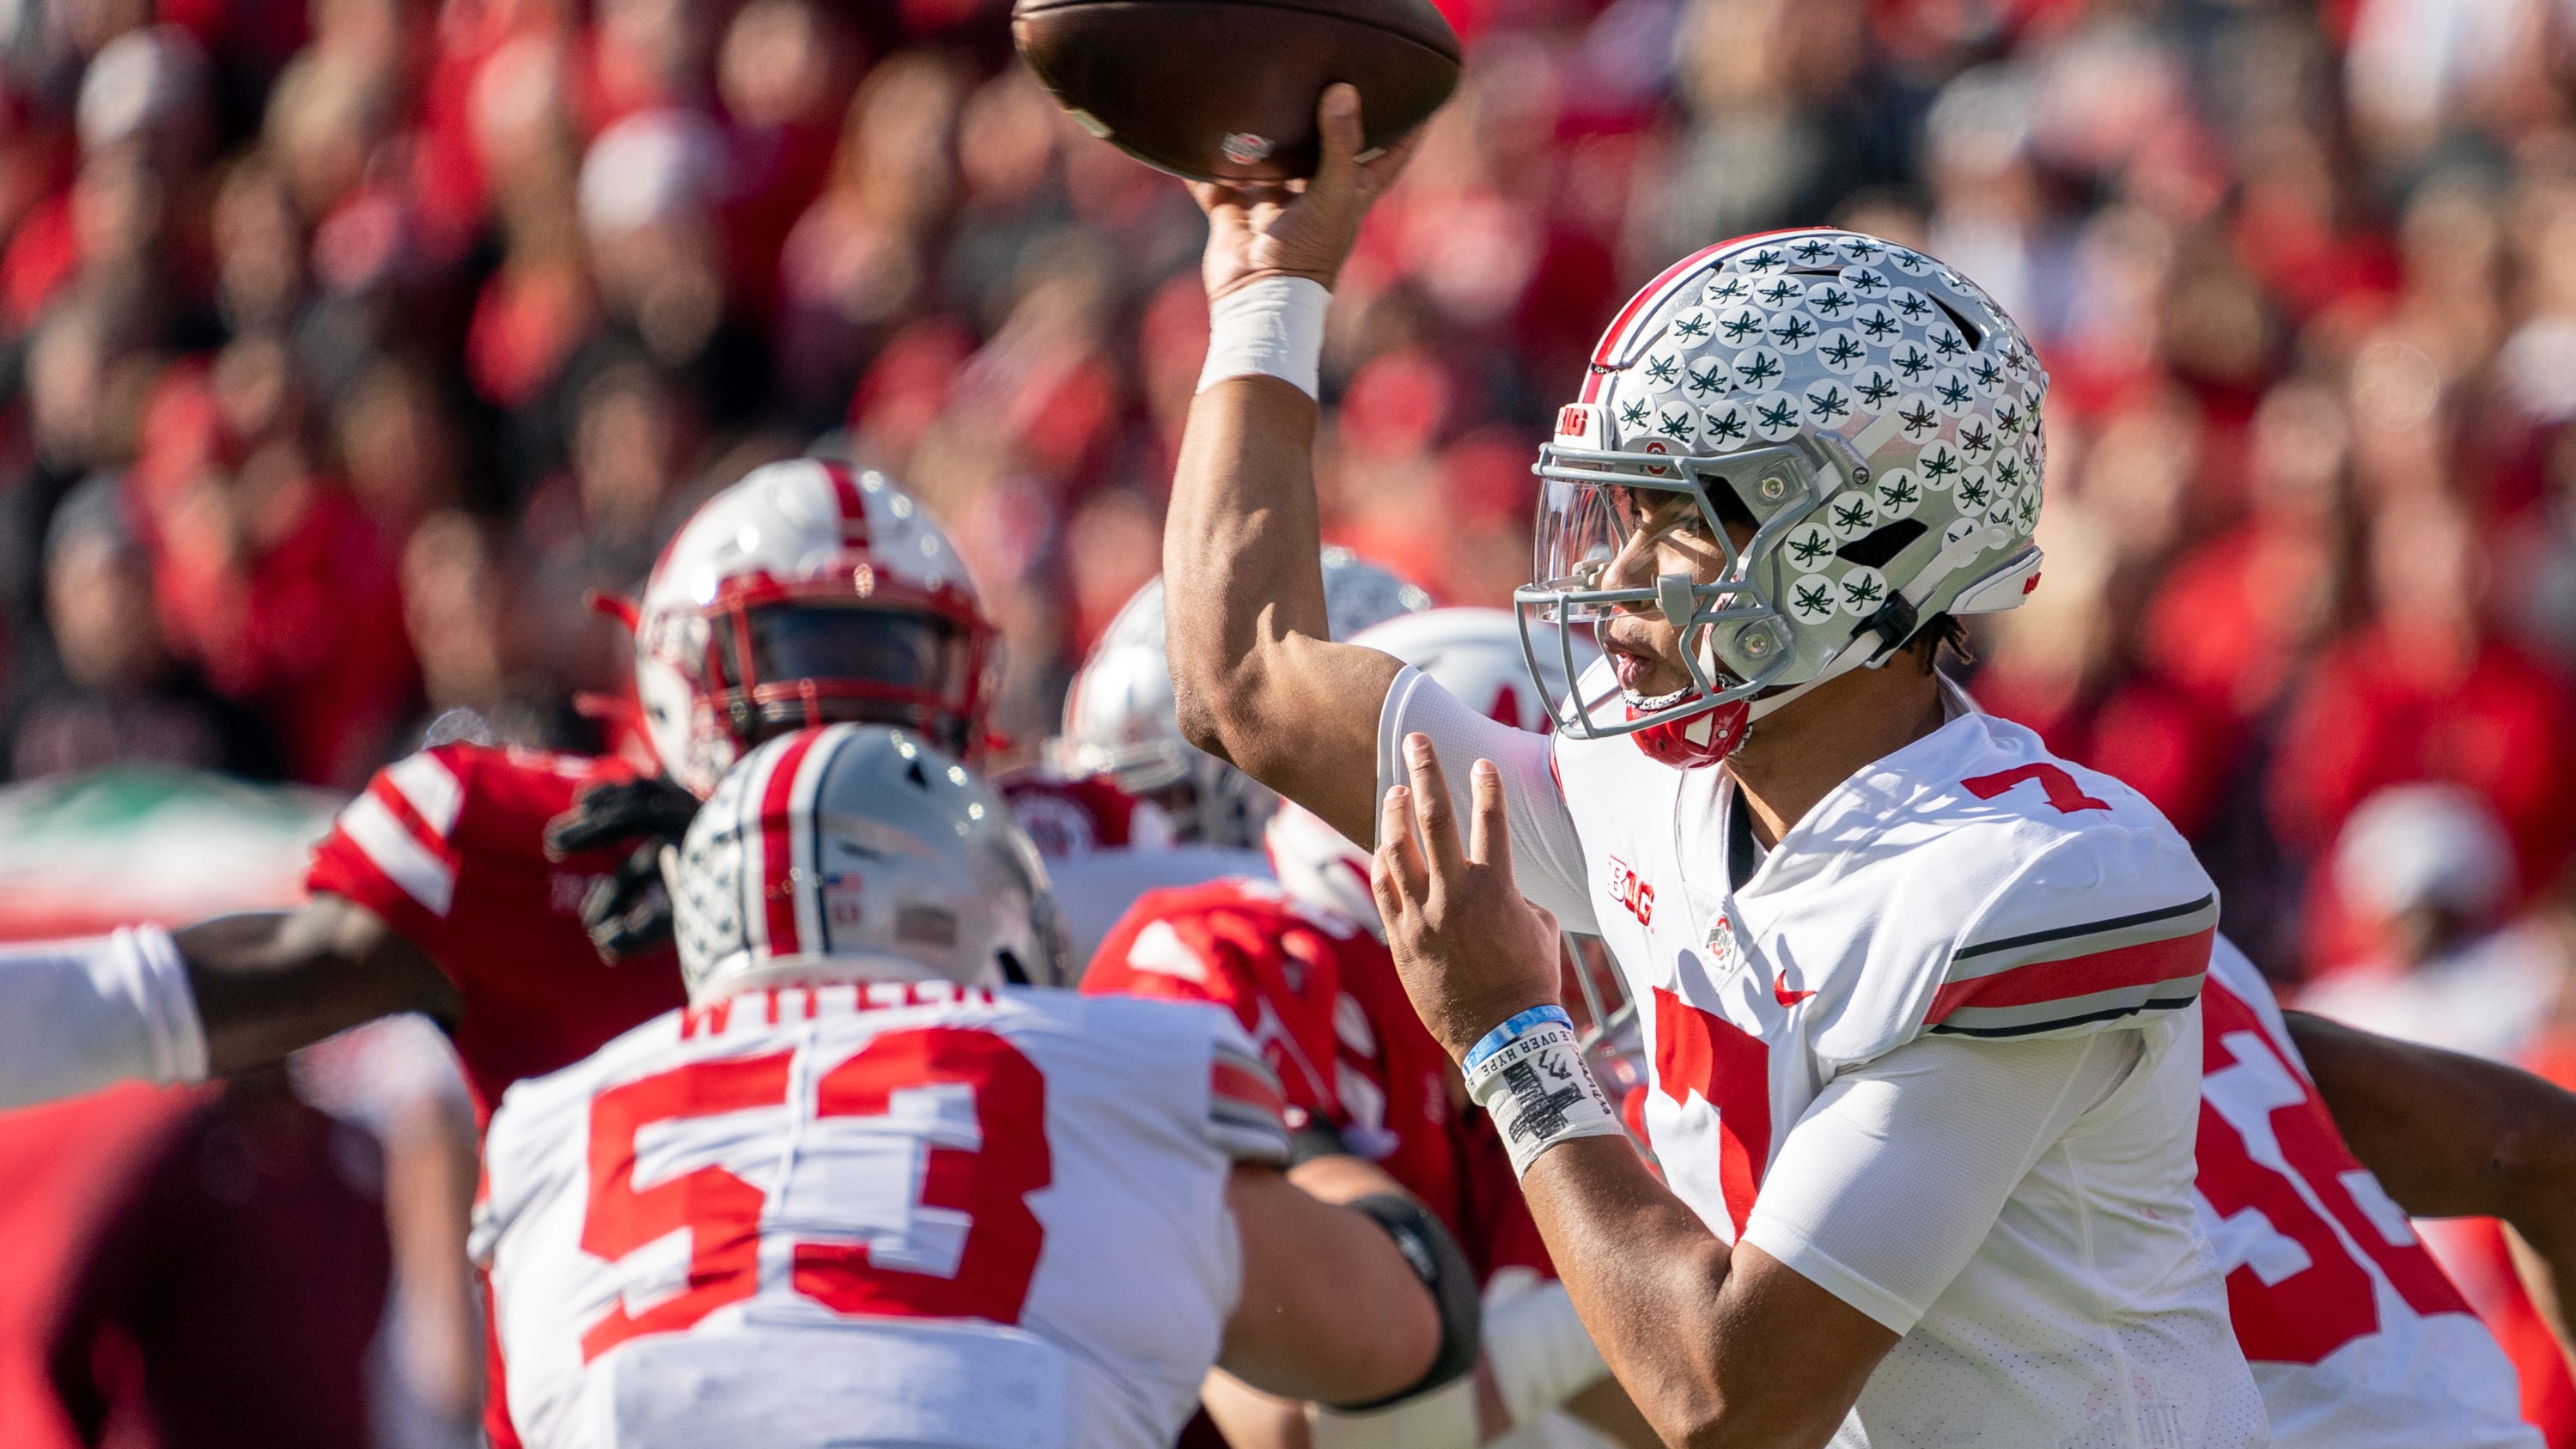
1872,412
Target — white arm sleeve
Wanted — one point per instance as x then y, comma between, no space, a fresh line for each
1547,859
1890,1182
79,1015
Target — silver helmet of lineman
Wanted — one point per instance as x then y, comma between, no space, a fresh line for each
859,852
1871,414
1121,720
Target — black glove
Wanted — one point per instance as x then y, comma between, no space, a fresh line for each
627,912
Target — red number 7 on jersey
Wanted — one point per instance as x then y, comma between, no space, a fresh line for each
987,1184
2063,793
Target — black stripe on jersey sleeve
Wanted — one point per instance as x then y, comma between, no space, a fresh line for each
2088,928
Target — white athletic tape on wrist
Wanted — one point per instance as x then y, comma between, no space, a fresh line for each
1530,1077
83,1014
1270,328
1537,1349
1445,1418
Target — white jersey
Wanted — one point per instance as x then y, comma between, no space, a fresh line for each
1962,902
2358,1340
894,1215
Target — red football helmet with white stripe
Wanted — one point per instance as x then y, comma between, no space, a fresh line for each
859,852
807,593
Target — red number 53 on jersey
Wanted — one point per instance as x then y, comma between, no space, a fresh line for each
980,1167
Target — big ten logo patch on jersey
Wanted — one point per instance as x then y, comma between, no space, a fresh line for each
1631,890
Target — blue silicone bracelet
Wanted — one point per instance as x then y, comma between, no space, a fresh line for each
1511,1029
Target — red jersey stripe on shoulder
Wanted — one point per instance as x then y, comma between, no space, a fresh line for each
2143,964
389,837
1230,1080
778,845
431,786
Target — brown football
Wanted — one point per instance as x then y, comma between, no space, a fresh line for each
1226,88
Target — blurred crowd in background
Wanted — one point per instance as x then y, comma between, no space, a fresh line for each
346,346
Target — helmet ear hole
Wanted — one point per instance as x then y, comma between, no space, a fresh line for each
1967,329
1875,549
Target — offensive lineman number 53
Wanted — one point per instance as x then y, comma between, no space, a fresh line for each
988,1184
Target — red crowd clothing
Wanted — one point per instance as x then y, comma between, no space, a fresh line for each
2370,717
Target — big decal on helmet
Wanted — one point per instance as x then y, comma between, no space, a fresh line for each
1875,413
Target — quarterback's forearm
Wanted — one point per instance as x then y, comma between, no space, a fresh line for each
1695,1339
1254,672
1240,555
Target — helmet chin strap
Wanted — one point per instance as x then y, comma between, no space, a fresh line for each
1854,655
1878,639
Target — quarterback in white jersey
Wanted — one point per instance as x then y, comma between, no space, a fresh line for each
873,1187
1922,1000
1964,891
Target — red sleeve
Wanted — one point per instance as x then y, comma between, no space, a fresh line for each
1181,946
393,848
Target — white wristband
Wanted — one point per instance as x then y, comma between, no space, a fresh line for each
1535,1084
79,1015
1270,328
1537,1348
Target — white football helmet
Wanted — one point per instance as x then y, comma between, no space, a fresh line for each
1870,414
1474,654
806,593
859,852
1120,718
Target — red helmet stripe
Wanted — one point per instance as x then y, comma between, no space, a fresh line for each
778,845
854,509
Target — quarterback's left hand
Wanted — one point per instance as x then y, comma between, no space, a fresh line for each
627,912
1471,951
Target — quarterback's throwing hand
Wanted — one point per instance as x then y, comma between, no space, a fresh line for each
1470,950
1270,230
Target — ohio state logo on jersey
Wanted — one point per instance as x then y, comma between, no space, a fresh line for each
1723,954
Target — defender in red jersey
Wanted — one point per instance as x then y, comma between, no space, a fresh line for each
806,592
480,885
447,850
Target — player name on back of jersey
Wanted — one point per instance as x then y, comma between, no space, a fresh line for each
781,1004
